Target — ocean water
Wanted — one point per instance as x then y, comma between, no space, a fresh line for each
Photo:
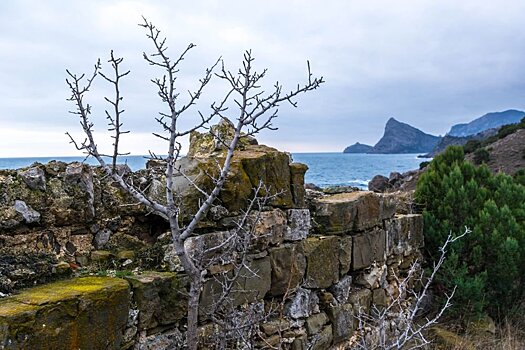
353,169
134,162
325,169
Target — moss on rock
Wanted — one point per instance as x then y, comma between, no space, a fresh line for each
83,313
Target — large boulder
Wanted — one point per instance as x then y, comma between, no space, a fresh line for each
350,212
83,313
379,183
160,298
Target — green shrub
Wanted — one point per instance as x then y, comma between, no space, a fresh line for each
471,146
488,265
481,155
423,165
519,177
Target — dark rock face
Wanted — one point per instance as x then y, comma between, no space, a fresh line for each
403,138
358,148
379,183
487,121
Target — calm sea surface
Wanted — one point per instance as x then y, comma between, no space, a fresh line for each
325,169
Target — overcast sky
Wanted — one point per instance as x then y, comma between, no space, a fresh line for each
431,64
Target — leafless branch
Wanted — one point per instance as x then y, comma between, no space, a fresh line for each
395,326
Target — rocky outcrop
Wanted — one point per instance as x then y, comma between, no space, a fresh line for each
403,138
398,138
487,121
358,148
405,182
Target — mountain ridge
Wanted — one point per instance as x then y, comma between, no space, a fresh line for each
487,121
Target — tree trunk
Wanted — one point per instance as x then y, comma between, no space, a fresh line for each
193,313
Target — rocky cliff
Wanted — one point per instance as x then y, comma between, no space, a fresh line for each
403,138
487,121
398,138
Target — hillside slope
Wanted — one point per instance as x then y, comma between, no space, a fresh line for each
507,154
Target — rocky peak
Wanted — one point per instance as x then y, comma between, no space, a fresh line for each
402,138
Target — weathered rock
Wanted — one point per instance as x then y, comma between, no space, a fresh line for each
340,189
24,269
303,304
360,300
346,212
126,254
341,289
198,247
101,238
322,340
298,224
315,323
343,322
373,277
367,248
101,257
345,255
322,261
9,218
379,183
275,326
160,298
379,297
394,178
250,166
297,171
29,214
252,283
61,315
80,244
34,178
269,228
171,340
404,233
326,298
288,267
300,343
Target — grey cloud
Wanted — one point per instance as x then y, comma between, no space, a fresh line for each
428,63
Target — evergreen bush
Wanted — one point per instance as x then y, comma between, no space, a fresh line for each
488,265
481,155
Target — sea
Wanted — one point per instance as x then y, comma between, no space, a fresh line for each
324,169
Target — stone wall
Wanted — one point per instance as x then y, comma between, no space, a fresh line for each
316,260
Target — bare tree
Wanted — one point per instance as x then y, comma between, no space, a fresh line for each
256,110
397,326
